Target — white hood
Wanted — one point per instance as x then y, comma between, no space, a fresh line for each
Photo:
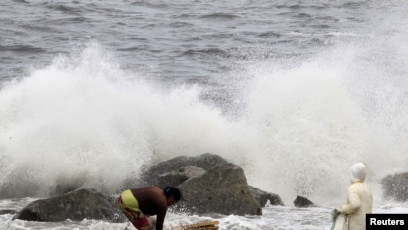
357,173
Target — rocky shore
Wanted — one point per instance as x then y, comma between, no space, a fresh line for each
210,186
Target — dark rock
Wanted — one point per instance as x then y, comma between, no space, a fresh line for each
223,189
302,202
204,161
262,197
177,177
76,205
396,186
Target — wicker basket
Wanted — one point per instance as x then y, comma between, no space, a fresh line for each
207,225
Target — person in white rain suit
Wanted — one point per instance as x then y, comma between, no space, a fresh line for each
359,199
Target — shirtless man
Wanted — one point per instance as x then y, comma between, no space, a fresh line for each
139,203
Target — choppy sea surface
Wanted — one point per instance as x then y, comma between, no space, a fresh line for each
294,92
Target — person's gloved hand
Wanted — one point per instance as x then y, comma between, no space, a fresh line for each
335,213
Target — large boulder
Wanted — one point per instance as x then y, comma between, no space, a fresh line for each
222,189
221,196
177,177
75,205
396,186
205,161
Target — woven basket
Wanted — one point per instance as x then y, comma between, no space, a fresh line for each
207,225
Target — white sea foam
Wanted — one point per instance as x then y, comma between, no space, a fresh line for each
84,120
88,121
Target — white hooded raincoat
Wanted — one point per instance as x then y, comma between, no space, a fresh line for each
359,199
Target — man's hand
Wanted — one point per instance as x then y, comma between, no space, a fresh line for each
335,213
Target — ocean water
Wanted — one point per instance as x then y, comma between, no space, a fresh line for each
294,92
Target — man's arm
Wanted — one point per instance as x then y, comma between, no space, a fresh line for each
160,217
353,205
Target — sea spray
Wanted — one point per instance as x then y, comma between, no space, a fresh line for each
87,122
